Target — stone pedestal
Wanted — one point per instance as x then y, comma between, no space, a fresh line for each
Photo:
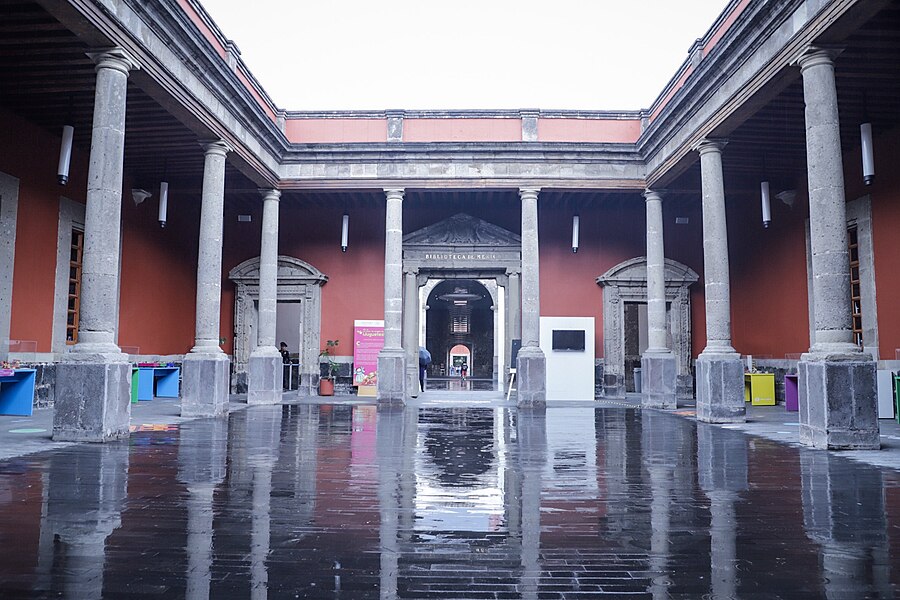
838,402
531,371
204,385
266,379
658,380
613,385
96,405
720,388
391,376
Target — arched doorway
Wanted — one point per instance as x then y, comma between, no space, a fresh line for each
459,331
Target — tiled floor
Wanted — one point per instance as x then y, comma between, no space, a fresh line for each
465,501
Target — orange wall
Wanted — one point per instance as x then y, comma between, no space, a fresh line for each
589,130
311,131
462,130
158,266
34,272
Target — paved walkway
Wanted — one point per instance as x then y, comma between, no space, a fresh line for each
455,497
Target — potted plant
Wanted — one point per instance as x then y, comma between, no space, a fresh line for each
326,382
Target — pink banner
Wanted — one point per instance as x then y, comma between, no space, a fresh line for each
368,340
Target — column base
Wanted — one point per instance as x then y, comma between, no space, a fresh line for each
265,382
613,385
658,374
93,401
720,388
205,389
531,372
391,387
838,402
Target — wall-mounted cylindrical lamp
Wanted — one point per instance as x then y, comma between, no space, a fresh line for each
345,231
576,222
766,205
65,154
163,202
868,153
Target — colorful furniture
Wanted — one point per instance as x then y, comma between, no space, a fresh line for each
161,382
134,385
897,397
16,392
759,389
791,393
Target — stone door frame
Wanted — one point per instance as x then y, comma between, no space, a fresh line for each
627,282
298,281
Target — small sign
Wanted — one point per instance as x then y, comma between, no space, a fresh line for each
368,340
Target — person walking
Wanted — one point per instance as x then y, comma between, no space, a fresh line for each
424,361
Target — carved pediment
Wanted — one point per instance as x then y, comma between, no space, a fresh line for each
462,230
290,271
633,272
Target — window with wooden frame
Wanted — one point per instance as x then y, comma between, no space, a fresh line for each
855,299
73,303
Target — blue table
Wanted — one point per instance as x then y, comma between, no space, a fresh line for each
17,392
161,382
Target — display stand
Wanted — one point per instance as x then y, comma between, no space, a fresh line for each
17,392
759,389
897,397
791,393
160,382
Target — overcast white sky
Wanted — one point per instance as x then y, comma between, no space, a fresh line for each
414,54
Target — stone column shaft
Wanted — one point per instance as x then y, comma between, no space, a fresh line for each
265,383
209,260
392,359
515,307
531,366
838,406
205,369
410,333
103,209
720,374
93,383
659,368
656,275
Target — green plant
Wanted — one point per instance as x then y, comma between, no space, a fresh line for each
325,356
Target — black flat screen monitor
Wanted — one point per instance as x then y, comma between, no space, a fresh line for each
568,339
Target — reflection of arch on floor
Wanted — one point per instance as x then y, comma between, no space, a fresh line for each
298,281
459,322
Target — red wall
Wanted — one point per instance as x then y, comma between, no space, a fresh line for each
158,266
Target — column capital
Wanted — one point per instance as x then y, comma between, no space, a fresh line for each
218,147
708,145
653,195
411,271
529,192
813,56
270,194
394,193
113,58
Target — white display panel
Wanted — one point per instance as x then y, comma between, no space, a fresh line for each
570,373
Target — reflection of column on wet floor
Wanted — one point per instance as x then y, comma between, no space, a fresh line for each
658,449
531,429
391,438
512,480
407,516
722,470
202,446
87,488
843,511
306,452
263,441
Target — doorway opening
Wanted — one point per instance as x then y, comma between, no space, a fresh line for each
636,330
288,325
459,333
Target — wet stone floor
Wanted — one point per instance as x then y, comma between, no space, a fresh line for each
338,501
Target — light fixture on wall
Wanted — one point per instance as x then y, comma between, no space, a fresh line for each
345,231
65,154
576,223
868,152
163,202
766,203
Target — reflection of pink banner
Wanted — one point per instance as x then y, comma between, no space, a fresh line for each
368,340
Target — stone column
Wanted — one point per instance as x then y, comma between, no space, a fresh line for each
265,383
93,399
392,358
658,365
838,408
720,373
410,333
531,367
513,314
205,369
